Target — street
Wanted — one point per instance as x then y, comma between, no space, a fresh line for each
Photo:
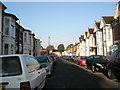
69,75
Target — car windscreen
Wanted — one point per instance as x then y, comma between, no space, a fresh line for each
10,66
42,59
83,57
99,57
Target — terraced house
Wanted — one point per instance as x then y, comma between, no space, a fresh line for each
98,34
116,26
82,45
92,40
107,35
104,38
2,8
14,39
9,45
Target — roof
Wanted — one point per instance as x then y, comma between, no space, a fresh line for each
17,24
90,30
32,34
82,36
27,30
97,23
108,19
11,15
86,34
3,6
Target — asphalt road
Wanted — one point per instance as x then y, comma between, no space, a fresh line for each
69,75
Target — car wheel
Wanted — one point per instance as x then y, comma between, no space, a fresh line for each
93,68
110,74
86,66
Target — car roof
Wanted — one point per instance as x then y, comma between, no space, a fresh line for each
42,56
15,55
83,56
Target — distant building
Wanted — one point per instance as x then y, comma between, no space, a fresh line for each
92,41
86,44
44,51
78,49
82,45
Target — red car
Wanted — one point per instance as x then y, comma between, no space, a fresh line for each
81,60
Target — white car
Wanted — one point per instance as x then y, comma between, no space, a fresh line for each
46,63
21,71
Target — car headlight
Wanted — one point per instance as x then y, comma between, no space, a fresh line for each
98,64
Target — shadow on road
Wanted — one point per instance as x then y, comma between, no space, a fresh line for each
68,75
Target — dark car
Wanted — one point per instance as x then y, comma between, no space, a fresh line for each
75,58
96,62
54,59
114,65
69,58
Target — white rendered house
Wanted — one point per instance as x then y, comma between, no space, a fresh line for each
9,45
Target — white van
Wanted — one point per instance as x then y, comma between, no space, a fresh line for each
22,72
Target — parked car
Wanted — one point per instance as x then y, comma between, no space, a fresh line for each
75,59
96,62
114,65
68,58
22,72
45,62
81,60
54,60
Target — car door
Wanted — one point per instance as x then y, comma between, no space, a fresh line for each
89,61
34,72
112,61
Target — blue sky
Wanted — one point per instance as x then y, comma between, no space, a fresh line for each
64,22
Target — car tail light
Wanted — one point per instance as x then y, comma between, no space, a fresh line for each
25,86
84,61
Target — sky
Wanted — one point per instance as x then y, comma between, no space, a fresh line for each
63,22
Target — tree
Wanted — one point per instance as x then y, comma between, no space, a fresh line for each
50,47
69,46
61,48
